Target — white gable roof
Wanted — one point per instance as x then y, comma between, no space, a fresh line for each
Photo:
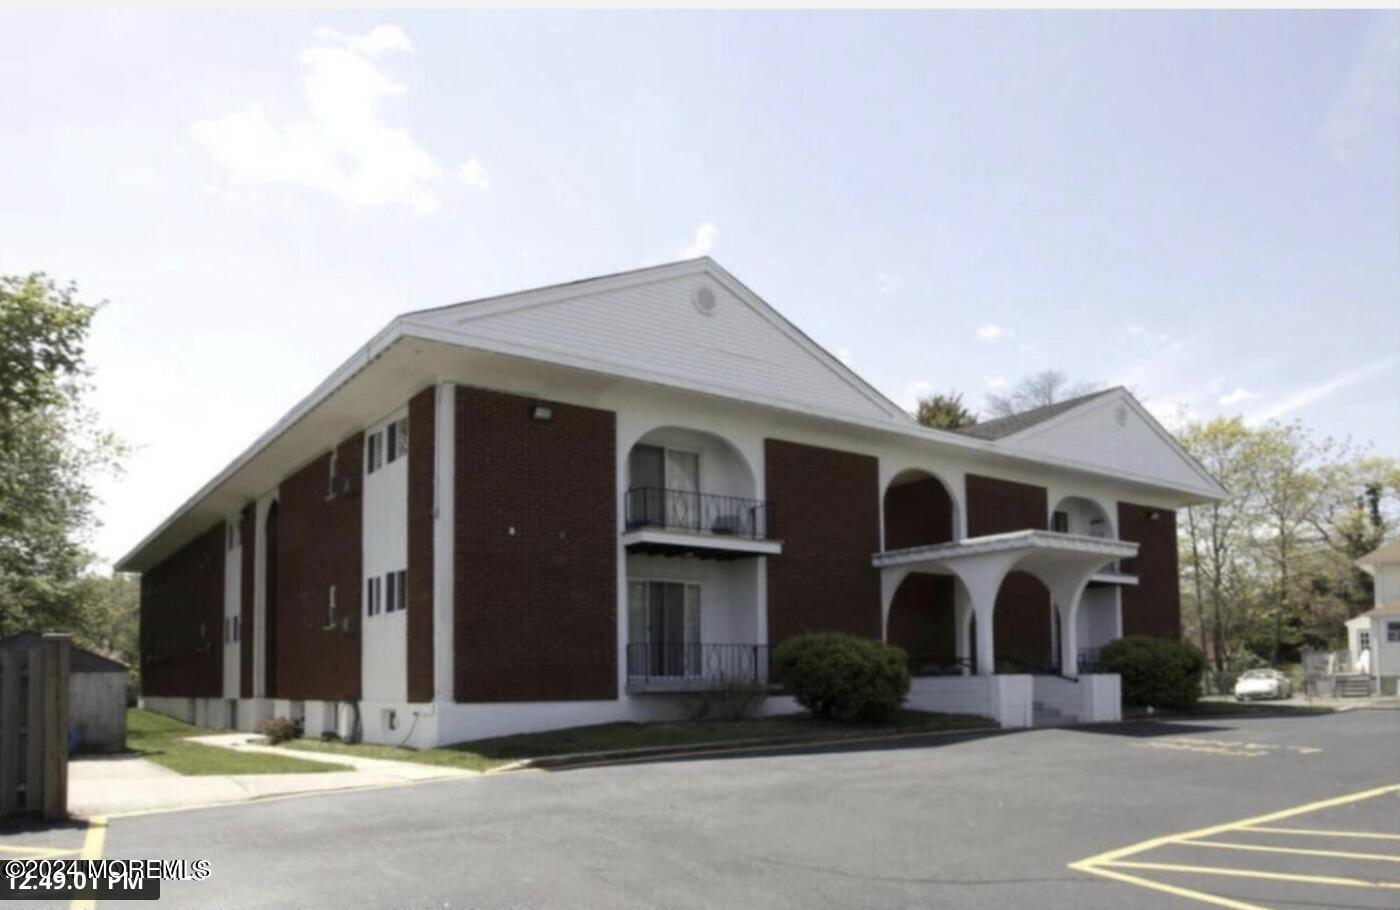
1112,432
689,324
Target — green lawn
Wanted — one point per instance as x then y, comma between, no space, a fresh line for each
484,754
162,740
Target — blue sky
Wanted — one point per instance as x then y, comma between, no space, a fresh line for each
1204,207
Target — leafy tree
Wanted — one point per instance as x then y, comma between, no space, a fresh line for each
51,446
42,330
944,411
1037,390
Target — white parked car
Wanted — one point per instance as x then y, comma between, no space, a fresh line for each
1262,684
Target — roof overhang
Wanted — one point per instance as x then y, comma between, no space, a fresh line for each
1031,546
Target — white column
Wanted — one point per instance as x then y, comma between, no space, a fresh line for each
982,576
444,540
962,619
890,580
1066,591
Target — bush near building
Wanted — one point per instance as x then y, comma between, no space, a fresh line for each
843,677
1156,672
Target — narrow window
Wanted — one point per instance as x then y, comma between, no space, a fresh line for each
330,608
389,604
403,437
1059,522
1392,631
238,628
372,456
401,586
391,443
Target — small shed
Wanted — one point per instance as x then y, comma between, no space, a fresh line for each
97,694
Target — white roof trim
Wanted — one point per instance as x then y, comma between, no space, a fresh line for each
999,543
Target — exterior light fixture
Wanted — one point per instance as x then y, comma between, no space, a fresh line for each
542,412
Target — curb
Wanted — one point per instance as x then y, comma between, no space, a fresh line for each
620,756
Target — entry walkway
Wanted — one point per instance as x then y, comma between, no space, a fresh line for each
124,784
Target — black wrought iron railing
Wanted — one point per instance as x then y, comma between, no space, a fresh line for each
706,513
696,662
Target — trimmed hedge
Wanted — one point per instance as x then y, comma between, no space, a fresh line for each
1156,672
843,677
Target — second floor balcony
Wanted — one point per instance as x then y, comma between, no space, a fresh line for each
678,521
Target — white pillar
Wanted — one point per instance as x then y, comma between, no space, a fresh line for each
962,620
982,576
890,580
1067,591
444,548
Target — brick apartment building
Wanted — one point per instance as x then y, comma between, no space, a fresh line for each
574,504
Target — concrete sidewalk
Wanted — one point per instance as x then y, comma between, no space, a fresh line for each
125,784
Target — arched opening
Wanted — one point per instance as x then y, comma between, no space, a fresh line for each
922,622
690,480
1082,516
919,511
1023,618
270,601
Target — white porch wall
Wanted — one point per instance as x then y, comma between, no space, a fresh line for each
384,642
233,602
1098,616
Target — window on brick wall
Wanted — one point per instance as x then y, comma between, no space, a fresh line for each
373,453
396,440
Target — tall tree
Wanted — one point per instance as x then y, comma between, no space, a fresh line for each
50,449
1036,390
944,411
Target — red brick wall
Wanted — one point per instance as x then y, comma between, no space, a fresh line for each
318,545
997,506
422,411
826,511
182,615
536,611
922,619
249,521
1153,606
917,513
1021,622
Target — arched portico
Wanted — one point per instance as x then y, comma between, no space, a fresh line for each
982,567
919,508
1083,516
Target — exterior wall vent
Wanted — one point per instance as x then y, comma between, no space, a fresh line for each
705,300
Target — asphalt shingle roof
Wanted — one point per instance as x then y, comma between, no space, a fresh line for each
1002,427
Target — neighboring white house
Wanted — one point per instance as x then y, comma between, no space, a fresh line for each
1374,637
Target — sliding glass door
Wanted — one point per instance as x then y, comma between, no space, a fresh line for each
663,627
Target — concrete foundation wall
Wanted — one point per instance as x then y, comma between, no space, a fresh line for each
1004,698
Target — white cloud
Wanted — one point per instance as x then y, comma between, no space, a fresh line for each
1318,391
340,145
473,174
996,382
1239,395
1371,94
990,332
886,283
703,243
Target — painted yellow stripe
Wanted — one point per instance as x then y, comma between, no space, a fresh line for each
1253,873
1322,832
1296,851
1170,889
1143,846
93,842
37,851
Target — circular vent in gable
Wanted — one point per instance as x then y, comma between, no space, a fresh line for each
706,301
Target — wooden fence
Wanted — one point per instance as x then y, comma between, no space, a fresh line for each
34,728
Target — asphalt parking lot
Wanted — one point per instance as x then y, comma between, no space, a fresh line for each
1273,812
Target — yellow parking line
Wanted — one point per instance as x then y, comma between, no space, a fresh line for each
93,843
38,852
1251,873
1322,832
1297,851
1174,889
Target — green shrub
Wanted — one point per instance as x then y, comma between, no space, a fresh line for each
843,677
729,699
1156,672
280,729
